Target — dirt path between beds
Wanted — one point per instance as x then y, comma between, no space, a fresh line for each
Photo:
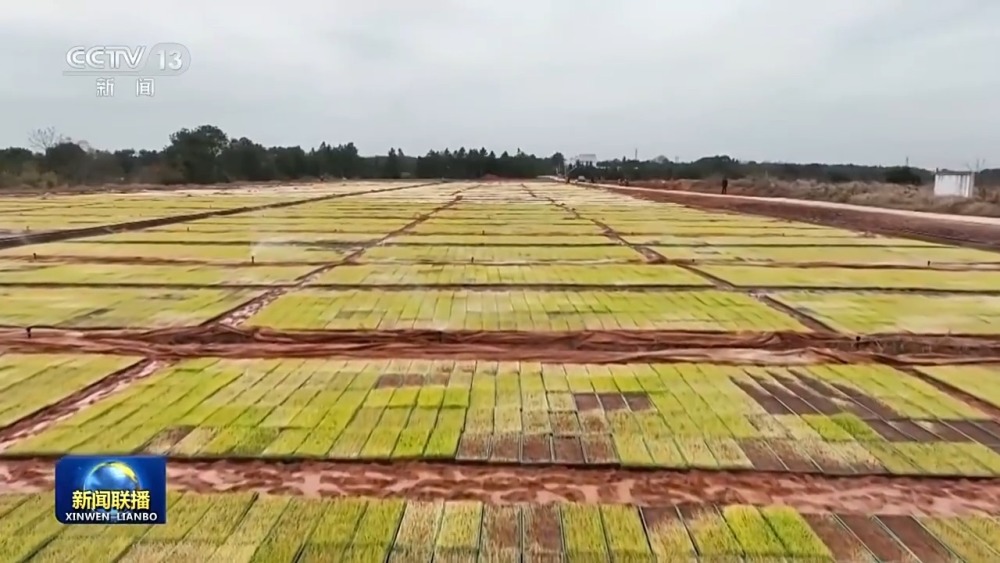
972,232
544,485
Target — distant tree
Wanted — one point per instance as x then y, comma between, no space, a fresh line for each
67,160
392,167
838,177
15,159
206,154
903,175
195,153
243,159
290,162
44,138
557,160
127,161
102,167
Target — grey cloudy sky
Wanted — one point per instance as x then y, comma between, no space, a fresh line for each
868,81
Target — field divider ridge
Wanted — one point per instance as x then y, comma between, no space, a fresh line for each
321,243
796,314
631,287
501,244
140,260
152,261
66,234
550,483
228,341
716,262
140,285
531,286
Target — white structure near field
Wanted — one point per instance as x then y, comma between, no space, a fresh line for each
954,184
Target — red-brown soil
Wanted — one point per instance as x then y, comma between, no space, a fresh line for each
430,481
607,346
910,226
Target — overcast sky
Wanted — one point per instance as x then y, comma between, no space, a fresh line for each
867,81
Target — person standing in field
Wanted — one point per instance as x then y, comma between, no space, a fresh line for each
725,185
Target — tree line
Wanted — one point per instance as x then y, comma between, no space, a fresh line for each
207,155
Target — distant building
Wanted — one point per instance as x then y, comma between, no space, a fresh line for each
954,184
584,160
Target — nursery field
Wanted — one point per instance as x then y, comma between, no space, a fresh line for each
741,407
229,253
246,527
81,307
874,313
24,215
526,274
807,238
855,278
152,274
500,240
839,419
240,235
503,254
32,382
864,255
495,227
517,309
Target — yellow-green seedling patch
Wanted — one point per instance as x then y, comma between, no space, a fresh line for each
707,310
287,233
908,256
155,274
114,307
535,274
980,381
228,253
473,227
583,532
459,534
847,278
418,529
638,229
626,536
799,539
276,223
836,418
500,240
824,239
961,539
502,254
29,382
753,532
874,313
711,533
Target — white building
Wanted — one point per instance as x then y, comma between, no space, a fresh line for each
954,184
584,160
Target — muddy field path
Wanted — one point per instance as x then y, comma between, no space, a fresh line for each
428,481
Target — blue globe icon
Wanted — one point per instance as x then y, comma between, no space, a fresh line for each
111,476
